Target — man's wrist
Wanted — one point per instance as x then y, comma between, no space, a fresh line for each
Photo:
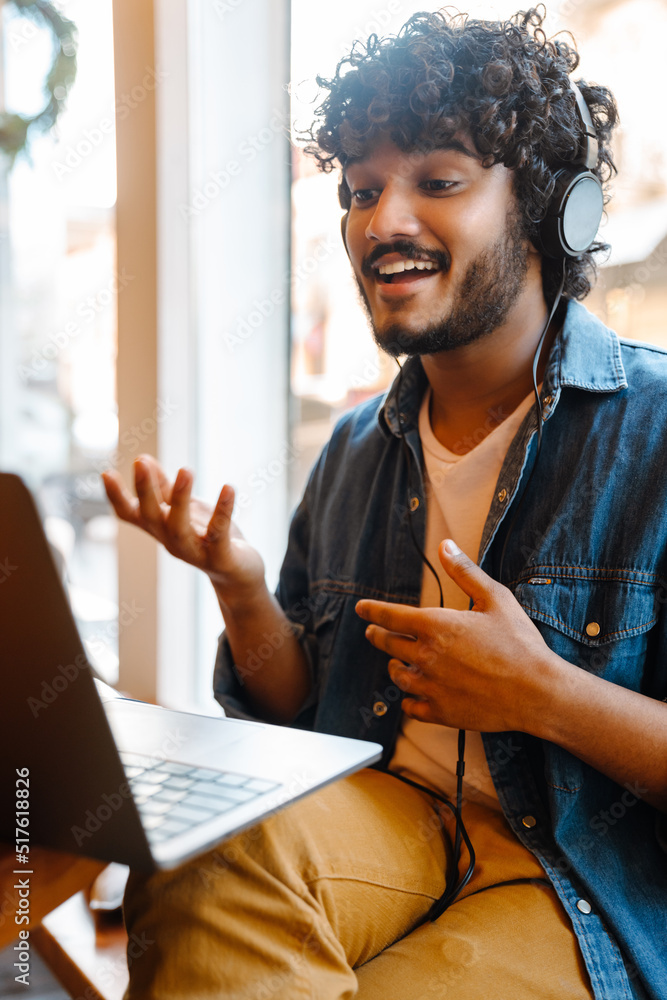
555,681
242,603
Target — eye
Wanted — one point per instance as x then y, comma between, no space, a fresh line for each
436,186
363,195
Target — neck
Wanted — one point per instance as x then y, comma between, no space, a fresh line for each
476,387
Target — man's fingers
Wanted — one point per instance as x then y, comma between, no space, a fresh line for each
395,617
415,708
400,646
178,519
163,485
466,574
408,678
166,487
145,483
410,681
220,524
122,501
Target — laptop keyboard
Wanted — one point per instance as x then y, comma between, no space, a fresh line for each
172,797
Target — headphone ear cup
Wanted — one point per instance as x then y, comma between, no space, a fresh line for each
343,231
573,216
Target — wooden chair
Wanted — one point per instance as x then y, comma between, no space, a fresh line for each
88,959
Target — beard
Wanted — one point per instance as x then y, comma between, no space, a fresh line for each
490,287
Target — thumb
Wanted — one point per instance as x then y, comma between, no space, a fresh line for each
466,574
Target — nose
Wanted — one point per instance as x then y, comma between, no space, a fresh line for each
393,217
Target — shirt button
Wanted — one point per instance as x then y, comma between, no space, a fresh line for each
529,822
584,906
592,629
414,503
502,496
379,708
547,400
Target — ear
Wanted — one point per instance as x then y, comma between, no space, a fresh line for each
344,195
344,200
343,231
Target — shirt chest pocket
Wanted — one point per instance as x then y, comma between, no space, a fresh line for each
598,622
593,619
327,610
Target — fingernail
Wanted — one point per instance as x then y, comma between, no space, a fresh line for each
139,470
181,479
452,548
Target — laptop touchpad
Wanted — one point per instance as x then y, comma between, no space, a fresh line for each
170,735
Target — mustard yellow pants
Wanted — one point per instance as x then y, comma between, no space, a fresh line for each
326,900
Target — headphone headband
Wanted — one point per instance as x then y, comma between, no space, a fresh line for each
590,152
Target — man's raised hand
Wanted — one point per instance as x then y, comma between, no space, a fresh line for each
189,528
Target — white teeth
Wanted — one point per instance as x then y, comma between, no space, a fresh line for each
407,265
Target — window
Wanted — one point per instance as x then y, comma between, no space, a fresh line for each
58,290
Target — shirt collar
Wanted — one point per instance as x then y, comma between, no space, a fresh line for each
412,383
586,355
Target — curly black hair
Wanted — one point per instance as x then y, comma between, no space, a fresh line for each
504,83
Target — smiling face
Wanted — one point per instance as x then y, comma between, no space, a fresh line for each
436,244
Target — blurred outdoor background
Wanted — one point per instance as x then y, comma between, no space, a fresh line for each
155,308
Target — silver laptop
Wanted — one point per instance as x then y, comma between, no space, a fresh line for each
113,778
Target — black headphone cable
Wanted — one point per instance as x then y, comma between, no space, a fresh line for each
539,412
452,888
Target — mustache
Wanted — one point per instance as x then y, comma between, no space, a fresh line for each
407,249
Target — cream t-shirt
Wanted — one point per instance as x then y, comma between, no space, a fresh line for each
459,490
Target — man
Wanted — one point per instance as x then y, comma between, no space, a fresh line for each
549,652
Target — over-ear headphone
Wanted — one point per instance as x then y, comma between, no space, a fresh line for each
344,200
575,211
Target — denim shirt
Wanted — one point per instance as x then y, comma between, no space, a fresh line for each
585,558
